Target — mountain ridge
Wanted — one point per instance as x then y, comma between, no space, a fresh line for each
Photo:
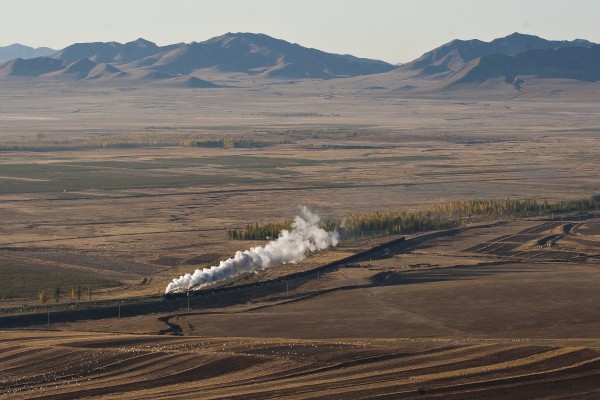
249,53
18,50
232,58
578,63
143,61
452,56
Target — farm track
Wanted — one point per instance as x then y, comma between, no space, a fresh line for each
54,365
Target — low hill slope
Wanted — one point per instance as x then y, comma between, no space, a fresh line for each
30,67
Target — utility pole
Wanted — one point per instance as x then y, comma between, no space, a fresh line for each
188,298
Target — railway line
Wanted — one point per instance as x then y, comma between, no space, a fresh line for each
175,301
225,294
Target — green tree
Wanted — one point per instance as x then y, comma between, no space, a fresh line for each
56,294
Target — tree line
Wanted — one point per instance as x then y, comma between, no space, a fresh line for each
157,138
434,217
76,293
232,142
258,231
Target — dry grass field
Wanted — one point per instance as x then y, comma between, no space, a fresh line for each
100,188
59,365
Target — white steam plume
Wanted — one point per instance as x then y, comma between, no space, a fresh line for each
291,246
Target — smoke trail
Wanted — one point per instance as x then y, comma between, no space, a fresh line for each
291,246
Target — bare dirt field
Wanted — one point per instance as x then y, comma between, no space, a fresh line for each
60,365
104,188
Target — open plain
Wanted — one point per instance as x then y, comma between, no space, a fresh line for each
125,203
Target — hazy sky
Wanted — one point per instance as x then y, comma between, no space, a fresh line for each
395,31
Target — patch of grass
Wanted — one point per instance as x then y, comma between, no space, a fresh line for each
98,181
26,283
257,161
283,162
52,178
155,164
162,173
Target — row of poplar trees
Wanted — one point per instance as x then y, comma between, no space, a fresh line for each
436,216
76,293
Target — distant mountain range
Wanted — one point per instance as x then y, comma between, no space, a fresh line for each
508,58
143,61
578,63
454,55
457,63
20,51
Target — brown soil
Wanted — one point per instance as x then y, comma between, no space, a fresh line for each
56,365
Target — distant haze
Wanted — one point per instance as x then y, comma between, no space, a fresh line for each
394,31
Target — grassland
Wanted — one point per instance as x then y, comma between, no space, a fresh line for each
19,282
479,313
